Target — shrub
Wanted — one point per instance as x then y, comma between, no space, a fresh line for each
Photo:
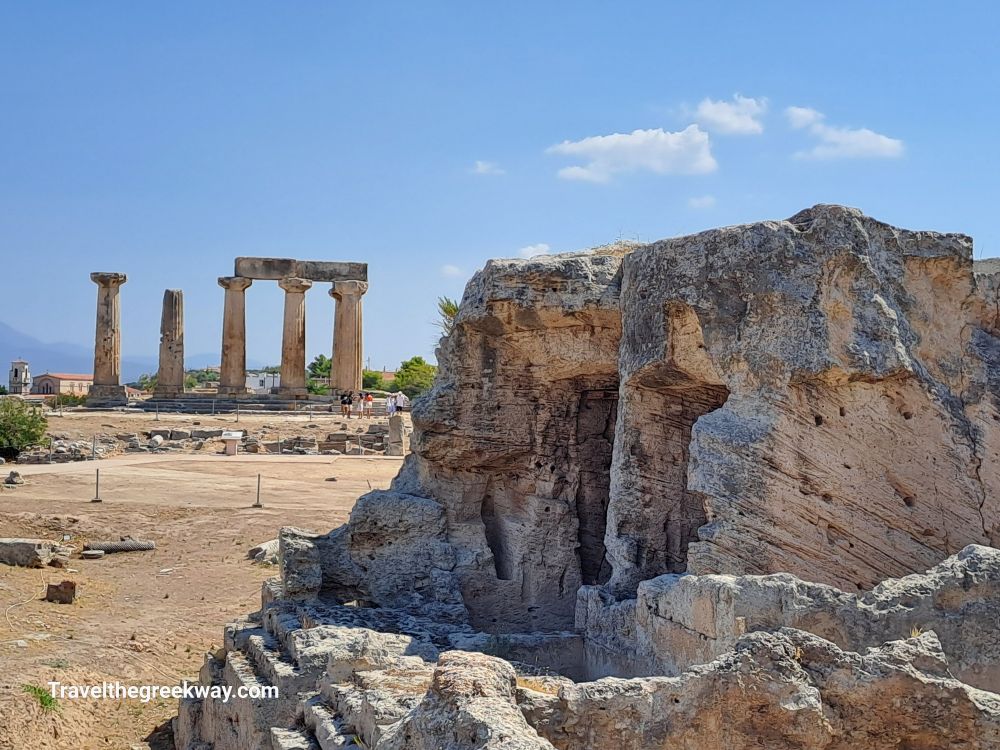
21,426
66,399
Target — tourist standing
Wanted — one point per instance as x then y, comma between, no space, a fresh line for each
369,405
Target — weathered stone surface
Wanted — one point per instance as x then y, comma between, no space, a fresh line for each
265,552
293,338
61,593
170,375
777,397
232,372
275,269
106,389
397,437
709,453
679,621
470,705
28,553
787,689
348,354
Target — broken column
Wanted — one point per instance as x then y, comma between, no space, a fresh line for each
293,338
345,372
232,375
107,341
170,375
397,438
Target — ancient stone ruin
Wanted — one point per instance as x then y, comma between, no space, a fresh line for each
731,490
349,282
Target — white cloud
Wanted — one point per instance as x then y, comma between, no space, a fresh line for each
802,117
741,116
688,151
487,167
531,251
451,271
702,201
841,143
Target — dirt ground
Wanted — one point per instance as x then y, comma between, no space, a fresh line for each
148,617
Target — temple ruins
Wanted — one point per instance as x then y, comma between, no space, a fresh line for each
732,490
349,282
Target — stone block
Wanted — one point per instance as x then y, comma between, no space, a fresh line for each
27,553
206,434
275,269
61,593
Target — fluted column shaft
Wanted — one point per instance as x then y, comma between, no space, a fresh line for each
170,375
233,370
346,370
293,338
107,337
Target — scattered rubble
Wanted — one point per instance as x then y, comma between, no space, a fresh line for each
264,553
372,439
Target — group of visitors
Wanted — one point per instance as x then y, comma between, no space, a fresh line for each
362,404
358,405
395,402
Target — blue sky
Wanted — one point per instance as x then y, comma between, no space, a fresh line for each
165,139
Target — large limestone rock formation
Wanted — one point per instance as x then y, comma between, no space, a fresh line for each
691,467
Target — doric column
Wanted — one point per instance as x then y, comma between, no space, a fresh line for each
107,340
345,372
170,375
233,372
293,338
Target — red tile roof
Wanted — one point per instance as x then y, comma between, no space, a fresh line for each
64,376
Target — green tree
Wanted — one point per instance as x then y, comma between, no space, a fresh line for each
447,312
316,388
21,426
146,382
414,376
371,380
320,367
3,391
66,399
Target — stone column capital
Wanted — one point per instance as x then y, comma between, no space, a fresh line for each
109,280
348,289
235,283
293,284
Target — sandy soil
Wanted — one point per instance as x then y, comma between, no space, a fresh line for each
148,617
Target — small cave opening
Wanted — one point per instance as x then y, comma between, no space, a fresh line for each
496,539
595,437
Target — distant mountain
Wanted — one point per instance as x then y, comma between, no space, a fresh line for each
63,357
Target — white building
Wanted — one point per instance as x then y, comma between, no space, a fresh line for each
261,383
20,378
